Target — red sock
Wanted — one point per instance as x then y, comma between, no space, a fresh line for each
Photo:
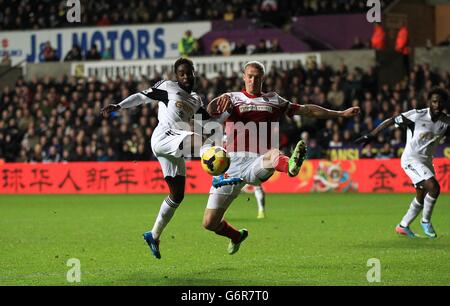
228,230
281,163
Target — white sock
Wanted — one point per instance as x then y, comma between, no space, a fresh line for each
260,198
428,208
166,212
412,213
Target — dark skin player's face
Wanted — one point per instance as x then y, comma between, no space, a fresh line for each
185,77
436,105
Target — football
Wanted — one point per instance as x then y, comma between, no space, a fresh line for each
215,161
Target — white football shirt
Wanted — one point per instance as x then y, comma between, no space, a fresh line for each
423,135
181,105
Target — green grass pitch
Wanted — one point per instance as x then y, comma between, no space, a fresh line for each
312,239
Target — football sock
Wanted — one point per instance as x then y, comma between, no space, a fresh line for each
227,230
260,199
428,208
166,212
412,213
281,163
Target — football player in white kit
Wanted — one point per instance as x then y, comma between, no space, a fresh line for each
425,129
254,165
177,104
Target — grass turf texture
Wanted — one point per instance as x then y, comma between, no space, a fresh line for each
313,239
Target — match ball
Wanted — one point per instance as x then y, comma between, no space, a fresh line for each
215,161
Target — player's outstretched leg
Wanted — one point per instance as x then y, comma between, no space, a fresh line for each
275,159
297,158
213,218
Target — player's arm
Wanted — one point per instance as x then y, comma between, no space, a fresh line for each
316,111
146,96
369,137
404,120
219,105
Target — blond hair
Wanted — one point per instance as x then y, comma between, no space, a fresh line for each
257,65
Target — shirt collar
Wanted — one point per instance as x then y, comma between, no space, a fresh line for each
249,95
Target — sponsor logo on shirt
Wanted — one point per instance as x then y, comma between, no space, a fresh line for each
258,108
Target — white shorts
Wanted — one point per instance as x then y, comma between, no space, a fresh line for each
418,171
250,169
167,147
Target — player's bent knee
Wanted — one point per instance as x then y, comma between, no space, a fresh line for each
270,158
177,197
435,190
274,154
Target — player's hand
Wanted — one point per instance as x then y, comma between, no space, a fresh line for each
351,112
109,109
365,140
223,103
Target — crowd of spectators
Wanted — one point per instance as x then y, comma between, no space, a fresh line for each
42,14
51,120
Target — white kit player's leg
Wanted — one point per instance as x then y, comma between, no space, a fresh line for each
166,212
173,167
414,209
429,204
261,200
433,188
421,174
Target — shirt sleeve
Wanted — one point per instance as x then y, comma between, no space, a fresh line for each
406,119
133,101
158,92
162,85
289,107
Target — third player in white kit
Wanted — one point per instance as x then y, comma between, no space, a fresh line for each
425,129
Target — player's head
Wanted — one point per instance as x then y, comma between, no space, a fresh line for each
437,99
184,72
254,77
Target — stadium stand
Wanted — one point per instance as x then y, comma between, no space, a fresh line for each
54,120
44,14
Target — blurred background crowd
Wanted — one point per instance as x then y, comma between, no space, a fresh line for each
44,14
54,120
